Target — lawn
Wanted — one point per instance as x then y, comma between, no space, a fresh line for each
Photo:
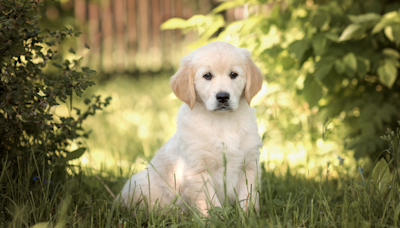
307,181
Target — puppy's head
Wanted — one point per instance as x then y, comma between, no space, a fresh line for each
217,75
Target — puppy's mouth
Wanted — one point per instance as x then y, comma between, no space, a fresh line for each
221,107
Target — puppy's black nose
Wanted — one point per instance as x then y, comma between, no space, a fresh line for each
222,97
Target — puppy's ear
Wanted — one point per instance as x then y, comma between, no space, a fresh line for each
254,77
182,82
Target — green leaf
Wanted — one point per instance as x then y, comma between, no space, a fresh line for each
78,111
322,71
364,18
319,43
5,78
332,36
319,19
218,22
378,27
367,131
389,33
85,69
389,19
73,155
386,112
50,43
87,101
381,176
363,66
387,72
174,23
378,122
57,65
92,72
20,117
66,78
367,112
352,31
309,53
351,64
312,91
107,101
71,50
339,66
392,53
299,47
396,34
288,63
78,93
25,115
227,5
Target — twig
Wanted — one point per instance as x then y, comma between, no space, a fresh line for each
107,188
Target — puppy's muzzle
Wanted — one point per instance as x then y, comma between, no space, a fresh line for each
222,97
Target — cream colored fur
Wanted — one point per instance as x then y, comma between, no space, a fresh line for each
191,162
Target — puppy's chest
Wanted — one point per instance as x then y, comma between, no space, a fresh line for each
209,139
214,143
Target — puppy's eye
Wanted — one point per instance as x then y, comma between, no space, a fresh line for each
233,75
207,76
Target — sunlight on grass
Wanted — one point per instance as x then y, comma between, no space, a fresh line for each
140,119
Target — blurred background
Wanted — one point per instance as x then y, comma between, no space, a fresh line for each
292,42
125,35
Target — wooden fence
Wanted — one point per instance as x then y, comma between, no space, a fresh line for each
125,35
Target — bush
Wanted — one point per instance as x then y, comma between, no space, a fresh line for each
30,90
344,53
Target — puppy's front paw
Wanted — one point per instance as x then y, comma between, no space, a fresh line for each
204,207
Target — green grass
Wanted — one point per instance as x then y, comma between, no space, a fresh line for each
141,118
82,200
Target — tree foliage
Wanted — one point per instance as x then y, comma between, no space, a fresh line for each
30,90
345,53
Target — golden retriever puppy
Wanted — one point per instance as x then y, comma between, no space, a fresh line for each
216,82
